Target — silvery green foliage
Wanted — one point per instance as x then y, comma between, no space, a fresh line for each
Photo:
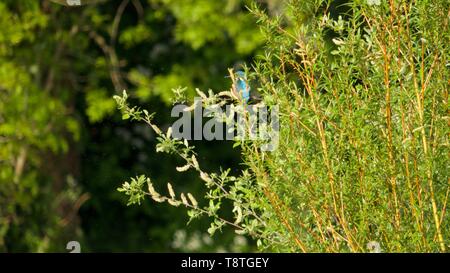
241,191
373,2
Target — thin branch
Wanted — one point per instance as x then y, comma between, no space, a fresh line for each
113,61
116,22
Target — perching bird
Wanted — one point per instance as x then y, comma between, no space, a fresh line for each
75,2
241,88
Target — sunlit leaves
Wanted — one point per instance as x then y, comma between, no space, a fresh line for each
99,104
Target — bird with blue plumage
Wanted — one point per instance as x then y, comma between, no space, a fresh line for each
240,87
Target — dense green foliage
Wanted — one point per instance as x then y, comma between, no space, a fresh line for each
362,163
364,143
362,88
63,150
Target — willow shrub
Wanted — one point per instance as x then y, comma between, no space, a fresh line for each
362,161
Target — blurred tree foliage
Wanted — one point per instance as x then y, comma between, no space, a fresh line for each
63,152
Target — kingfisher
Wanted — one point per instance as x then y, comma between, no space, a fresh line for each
241,88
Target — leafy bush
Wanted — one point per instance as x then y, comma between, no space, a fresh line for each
362,161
